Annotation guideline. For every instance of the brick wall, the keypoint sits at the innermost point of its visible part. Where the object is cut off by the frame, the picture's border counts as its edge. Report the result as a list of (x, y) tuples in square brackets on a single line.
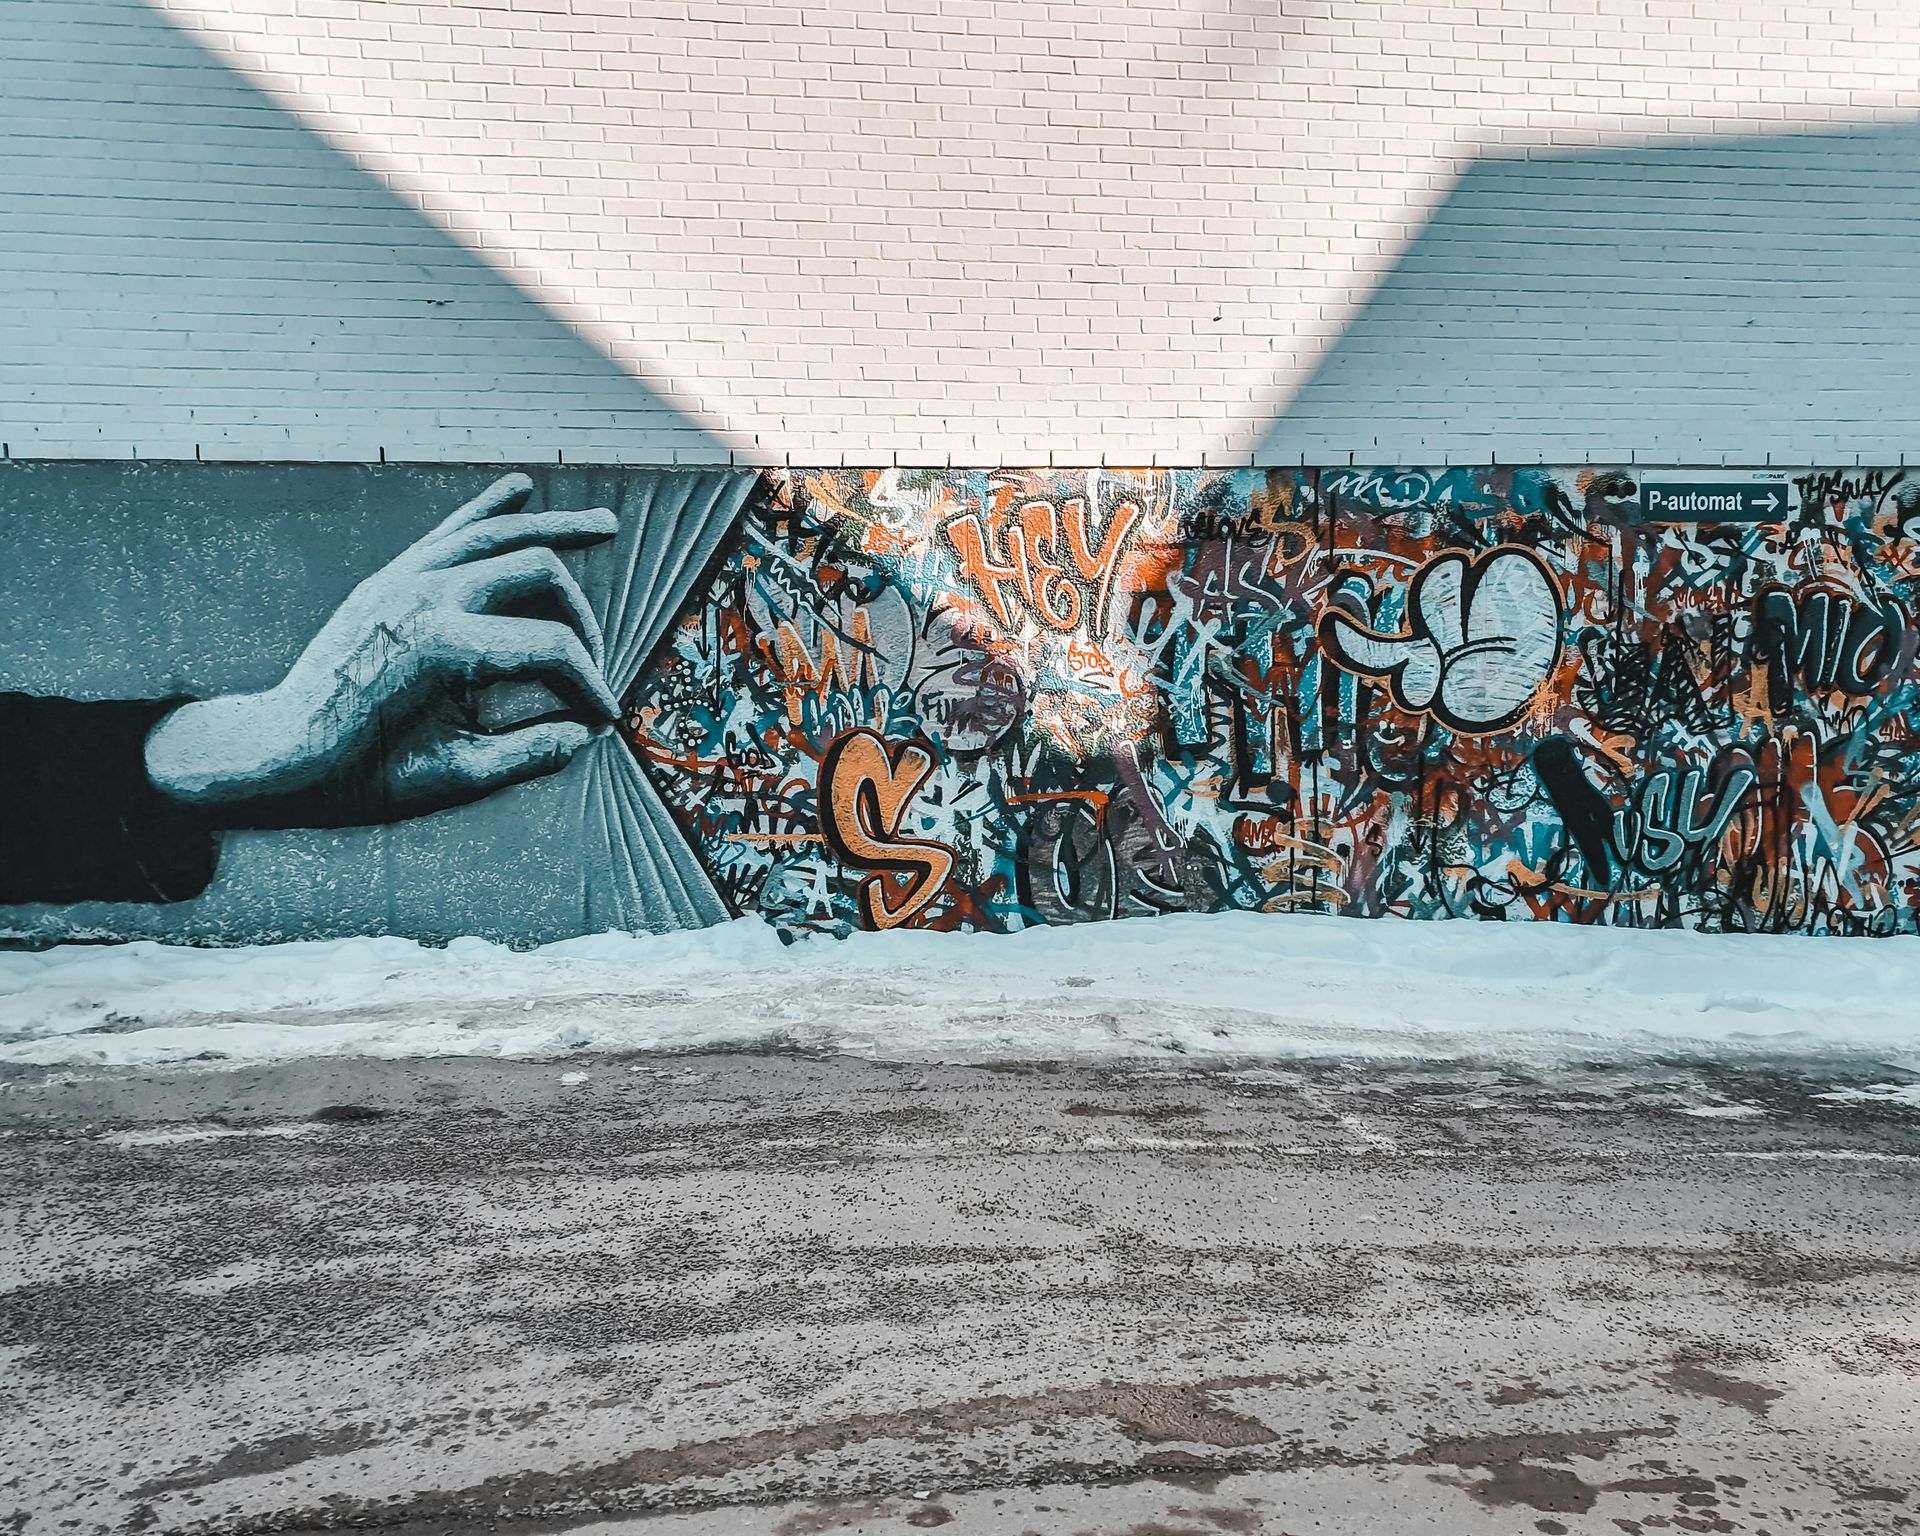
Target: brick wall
[(966, 231)]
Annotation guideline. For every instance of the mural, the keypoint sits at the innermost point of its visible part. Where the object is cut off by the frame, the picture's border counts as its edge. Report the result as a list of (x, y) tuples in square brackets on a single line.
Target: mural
[(389, 712), (246, 703), (968, 700), (989, 699)]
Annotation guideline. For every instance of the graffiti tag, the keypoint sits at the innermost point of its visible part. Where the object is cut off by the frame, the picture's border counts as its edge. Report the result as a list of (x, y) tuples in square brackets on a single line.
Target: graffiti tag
[(1028, 558), (1484, 637), (864, 790)]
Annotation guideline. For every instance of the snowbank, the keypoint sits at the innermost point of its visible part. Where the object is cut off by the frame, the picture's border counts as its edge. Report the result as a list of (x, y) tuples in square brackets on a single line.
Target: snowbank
[(1229, 984)]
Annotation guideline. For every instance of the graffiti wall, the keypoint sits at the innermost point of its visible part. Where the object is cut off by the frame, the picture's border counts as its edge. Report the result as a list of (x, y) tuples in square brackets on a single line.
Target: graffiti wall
[(989, 699), (270, 702)]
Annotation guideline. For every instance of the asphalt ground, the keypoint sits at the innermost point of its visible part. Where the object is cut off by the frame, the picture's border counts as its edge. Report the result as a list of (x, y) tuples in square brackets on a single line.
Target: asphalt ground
[(796, 1295)]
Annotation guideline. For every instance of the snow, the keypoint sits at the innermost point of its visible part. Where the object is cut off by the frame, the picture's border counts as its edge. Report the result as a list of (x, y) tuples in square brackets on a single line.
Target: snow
[(1222, 985), (168, 1136), (1876, 1093)]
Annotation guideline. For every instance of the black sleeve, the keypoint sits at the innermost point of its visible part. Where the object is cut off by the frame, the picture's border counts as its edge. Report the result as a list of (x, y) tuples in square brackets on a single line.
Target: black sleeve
[(79, 818)]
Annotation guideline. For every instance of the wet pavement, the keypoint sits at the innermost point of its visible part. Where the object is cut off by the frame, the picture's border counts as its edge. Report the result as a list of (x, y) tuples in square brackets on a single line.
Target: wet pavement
[(797, 1295)]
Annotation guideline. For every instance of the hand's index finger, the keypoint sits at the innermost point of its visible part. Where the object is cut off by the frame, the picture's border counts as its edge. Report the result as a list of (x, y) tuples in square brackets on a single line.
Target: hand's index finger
[(531, 573), (494, 649)]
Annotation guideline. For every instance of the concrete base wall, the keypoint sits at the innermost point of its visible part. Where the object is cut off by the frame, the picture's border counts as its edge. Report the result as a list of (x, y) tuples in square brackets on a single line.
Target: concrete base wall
[(972, 699)]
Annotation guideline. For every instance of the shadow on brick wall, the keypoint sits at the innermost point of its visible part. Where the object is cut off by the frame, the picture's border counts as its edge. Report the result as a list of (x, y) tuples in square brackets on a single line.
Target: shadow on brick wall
[(189, 268), (1745, 299)]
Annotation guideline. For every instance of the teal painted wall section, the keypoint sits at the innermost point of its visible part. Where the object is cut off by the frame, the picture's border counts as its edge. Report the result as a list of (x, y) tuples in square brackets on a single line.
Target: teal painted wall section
[(145, 582)]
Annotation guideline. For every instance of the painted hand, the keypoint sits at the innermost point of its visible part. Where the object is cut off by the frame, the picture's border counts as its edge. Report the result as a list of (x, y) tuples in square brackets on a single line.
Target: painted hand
[(377, 720), (1483, 635)]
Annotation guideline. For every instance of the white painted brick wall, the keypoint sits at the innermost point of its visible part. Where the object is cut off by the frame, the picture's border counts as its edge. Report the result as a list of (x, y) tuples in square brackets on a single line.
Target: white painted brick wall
[(967, 231)]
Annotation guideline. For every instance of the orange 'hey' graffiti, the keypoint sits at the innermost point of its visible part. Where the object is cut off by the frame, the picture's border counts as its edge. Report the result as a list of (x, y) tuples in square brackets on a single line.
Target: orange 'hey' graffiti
[(1030, 553), (864, 788)]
